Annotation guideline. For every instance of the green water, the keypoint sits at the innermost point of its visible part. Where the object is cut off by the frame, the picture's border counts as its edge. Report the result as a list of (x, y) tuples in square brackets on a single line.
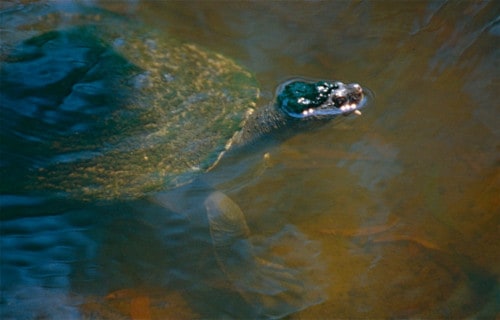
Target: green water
[(401, 203)]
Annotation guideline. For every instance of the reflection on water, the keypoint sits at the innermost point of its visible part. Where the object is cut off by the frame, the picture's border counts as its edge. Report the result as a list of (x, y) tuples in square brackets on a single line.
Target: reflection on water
[(401, 204)]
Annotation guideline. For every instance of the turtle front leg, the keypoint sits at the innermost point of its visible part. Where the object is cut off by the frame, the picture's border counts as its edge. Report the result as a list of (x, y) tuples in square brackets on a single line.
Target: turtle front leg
[(261, 275)]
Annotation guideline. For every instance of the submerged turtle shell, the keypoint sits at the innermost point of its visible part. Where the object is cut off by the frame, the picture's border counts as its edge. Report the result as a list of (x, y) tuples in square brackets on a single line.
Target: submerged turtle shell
[(101, 107)]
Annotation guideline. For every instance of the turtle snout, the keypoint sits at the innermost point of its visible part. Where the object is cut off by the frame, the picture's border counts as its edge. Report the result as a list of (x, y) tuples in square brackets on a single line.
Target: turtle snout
[(356, 87), (346, 94), (355, 93), (347, 98)]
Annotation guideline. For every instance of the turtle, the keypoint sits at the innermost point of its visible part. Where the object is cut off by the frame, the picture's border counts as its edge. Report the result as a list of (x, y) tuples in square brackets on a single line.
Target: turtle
[(113, 110)]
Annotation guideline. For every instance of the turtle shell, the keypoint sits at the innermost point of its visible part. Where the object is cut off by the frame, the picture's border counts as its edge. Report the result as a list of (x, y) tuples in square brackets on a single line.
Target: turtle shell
[(95, 105)]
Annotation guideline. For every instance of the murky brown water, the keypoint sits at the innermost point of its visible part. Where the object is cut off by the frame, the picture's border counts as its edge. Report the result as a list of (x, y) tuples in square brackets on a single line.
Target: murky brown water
[(403, 201)]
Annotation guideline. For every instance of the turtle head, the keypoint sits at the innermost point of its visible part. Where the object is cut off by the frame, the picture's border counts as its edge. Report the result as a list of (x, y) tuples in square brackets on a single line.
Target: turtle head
[(323, 99)]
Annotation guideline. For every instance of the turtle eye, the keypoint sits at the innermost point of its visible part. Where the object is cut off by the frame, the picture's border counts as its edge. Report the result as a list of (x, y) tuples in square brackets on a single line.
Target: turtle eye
[(340, 101)]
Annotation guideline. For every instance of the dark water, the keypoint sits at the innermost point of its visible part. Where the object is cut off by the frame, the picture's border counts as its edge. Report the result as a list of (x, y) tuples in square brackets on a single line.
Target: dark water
[(397, 210)]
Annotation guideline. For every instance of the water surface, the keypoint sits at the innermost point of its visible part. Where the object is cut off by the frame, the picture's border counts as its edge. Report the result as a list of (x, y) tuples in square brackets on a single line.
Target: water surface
[(402, 202)]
